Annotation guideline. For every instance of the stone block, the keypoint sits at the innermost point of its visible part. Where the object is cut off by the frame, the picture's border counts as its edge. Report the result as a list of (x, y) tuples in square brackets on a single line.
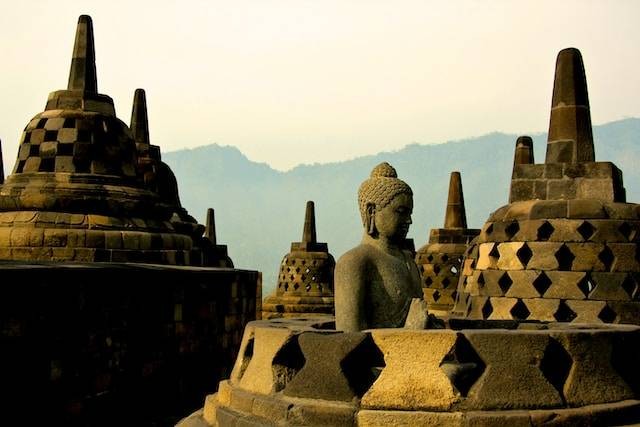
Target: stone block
[(55, 237), (113, 240), (368, 418), (564, 284), (625, 257), (525, 386), (37, 136), (5, 236), (502, 308), (543, 309), (321, 414), (211, 402), (20, 236), (601, 189), (76, 238), (241, 400), (561, 189), (488, 282), (545, 209), (592, 379), (274, 409), (627, 311), (95, 239), (485, 259), (519, 211), (553, 170), (543, 255), (586, 256), (521, 189), (608, 287), (607, 231), (540, 189), (522, 286), (67, 135), (262, 374), (622, 211), (32, 164), (64, 164), (508, 256), (497, 419), (412, 378), (586, 208), (586, 311)]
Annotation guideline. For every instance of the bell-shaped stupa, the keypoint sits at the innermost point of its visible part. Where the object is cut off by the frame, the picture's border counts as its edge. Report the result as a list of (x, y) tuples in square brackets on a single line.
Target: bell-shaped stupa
[(440, 260), (85, 188), (305, 281), (565, 248)]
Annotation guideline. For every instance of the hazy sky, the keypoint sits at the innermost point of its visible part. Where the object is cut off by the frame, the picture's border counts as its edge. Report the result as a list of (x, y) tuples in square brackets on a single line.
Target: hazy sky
[(300, 81)]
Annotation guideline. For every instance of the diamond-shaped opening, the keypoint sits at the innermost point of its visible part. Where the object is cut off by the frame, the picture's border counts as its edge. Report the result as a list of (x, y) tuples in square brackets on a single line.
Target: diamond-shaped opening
[(524, 254), (624, 359), (520, 311), (436, 269), (564, 313), (505, 282), (545, 231), (607, 315), (627, 231), (428, 281), (436, 296), (445, 282), (512, 229), (495, 253), (586, 285), (296, 286), (362, 366), (542, 283), (430, 258), (453, 269), (286, 287), (287, 363), (462, 365), (41, 123), (481, 281), (489, 229), (629, 285), (565, 258), (487, 309), (556, 364), (586, 230), (607, 257), (445, 258), (307, 288), (303, 262)]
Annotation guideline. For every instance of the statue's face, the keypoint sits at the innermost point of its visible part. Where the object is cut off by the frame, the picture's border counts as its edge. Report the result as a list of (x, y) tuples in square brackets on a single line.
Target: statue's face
[(393, 220)]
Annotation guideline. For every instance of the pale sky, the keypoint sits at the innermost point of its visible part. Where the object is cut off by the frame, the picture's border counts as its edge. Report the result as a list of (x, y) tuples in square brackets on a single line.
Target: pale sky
[(303, 81)]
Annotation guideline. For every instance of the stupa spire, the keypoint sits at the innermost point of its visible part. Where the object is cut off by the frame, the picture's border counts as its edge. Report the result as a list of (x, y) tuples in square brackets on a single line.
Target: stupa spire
[(139, 119), (309, 231), (210, 230), (570, 135), (524, 151), (455, 217), (82, 75)]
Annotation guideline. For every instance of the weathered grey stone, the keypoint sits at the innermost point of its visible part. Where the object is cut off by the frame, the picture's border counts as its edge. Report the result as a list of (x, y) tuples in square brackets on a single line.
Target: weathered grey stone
[(376, 280), (369, 418)]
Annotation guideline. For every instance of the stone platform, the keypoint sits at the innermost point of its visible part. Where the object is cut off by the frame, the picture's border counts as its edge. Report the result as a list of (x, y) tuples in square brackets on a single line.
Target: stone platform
[(117, 344), (300, 372)]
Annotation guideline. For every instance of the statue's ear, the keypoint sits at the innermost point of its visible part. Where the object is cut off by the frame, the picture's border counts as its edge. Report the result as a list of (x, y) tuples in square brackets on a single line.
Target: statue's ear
[(371, 223)]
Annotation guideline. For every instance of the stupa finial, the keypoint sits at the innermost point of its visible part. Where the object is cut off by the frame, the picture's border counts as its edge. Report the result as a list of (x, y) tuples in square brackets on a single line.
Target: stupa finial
[(455, 217), (524, 151), (139, 119), (570, 134), (210, 230), (83, 62), (309, 231)]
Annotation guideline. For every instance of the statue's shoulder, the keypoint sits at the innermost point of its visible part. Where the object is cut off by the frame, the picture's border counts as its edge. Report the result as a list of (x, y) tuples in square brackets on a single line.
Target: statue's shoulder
[(359, 256)]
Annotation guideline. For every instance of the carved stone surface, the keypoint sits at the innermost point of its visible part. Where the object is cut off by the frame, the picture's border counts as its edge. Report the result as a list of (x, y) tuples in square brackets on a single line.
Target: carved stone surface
[(523, 376), (566, 247), (305, 280), (376, 280), (440, 260), (87, 188)]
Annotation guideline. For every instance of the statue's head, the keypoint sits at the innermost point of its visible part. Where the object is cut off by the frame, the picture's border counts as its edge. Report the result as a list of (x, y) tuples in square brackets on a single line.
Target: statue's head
[(386, 204)]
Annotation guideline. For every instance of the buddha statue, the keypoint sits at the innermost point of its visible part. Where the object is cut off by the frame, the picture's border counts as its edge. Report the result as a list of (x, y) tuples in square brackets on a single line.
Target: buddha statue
[(376, 281)]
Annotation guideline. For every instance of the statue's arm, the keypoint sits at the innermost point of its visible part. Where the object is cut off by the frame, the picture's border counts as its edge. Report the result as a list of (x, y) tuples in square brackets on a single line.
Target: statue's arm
[(350, 288)]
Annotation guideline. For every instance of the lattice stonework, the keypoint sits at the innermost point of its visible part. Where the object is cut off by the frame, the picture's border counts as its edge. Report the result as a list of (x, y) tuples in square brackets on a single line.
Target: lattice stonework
[(439, 267), (556, 269), (76, 141), (306, 275)]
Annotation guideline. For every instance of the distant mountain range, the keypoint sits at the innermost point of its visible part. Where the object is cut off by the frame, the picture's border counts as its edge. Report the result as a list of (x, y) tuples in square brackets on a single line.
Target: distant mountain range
[(260, 211)]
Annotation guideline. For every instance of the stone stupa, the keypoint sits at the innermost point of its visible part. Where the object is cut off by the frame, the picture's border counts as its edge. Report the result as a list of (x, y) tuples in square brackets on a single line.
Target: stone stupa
[(112, 313), (305, 280), (440, 260), (565, 248)]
